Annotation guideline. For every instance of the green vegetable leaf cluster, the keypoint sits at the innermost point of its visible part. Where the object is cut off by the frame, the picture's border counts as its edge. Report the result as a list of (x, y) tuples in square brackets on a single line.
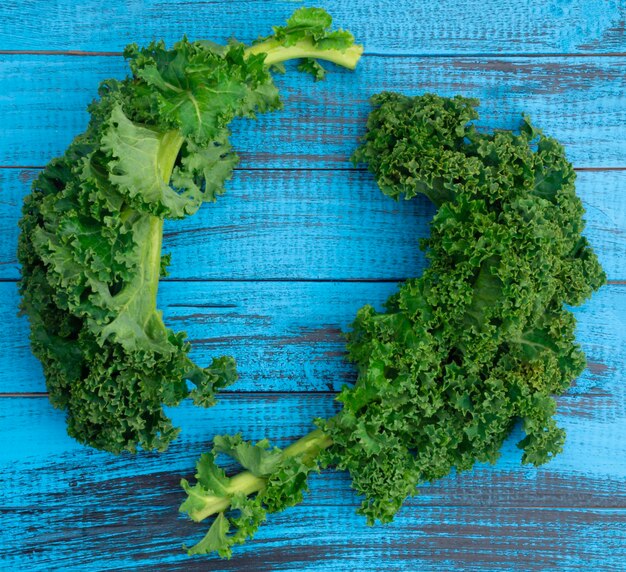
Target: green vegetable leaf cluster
[(156, 147), (278, 477), (484, 338)]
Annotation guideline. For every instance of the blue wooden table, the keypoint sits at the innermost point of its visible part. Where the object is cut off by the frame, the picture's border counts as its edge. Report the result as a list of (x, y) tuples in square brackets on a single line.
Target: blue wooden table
[(273, 272)]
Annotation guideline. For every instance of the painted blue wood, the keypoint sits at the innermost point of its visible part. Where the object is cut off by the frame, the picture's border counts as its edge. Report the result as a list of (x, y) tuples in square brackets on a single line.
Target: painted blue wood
[(331, 539), (578, 100), (67, 507), (385, 26), (74, 508), (317, 225), (38, 455), (286, 336)]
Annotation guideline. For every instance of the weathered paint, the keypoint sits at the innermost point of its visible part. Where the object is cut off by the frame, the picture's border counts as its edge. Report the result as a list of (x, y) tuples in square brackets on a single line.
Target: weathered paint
[(385, 26), (311, 225), (67, 507), (577, 100), (286, 336), (75, 508)]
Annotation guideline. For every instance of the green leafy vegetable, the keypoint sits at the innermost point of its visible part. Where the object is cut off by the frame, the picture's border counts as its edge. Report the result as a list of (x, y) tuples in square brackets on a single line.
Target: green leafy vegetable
[(90, 245), (279, 479), (482, 339)]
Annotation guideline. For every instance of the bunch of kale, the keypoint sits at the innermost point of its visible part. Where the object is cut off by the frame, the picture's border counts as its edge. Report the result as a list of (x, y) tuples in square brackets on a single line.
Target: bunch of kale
[(481, 340), (90, 245)]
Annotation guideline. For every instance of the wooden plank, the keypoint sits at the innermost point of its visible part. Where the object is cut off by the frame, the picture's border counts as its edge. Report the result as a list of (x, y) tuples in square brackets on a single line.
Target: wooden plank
[(69, 506), (311, 538), (576, 100), (286, 336), (276, 224), (37, 453), (399, 27), (317, 225)]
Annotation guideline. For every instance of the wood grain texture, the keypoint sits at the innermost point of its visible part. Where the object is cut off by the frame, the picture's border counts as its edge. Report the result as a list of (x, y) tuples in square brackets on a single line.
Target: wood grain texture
[(312, 538), (580, 101), (317, 225), (286, 336), (297, 211), (386, 26), (38, 455), (91, 508)]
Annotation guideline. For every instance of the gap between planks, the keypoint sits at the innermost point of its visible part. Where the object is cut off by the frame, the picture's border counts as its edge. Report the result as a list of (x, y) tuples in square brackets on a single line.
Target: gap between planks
[(311, 502), (325, 169), (81, 53), (392, 280), (229, 393)]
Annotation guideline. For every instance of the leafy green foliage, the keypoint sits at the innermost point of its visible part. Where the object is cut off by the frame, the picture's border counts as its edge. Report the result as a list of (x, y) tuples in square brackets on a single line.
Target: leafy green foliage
[(278, 478), (257, 459), (309, 65), (157, 146), (312, 24), (483, 338), (199, 91)]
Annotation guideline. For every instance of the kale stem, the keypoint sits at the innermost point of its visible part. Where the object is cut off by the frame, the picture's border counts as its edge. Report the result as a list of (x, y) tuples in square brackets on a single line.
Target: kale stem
[(277, 53), (140, 293), (171, 142), (245, 482)]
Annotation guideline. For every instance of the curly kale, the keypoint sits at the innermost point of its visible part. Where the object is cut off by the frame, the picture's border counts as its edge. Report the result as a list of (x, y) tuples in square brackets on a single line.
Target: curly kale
[(156, 148), (481, 340)]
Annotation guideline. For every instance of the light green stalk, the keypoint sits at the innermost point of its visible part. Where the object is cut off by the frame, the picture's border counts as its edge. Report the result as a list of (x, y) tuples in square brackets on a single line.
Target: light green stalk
[(142, 290), (172, 141), (277, 53), (248, 484)]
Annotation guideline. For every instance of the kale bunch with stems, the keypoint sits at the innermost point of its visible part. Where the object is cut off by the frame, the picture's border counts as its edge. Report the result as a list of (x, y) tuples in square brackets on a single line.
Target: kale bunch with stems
[(156, 148), (482, 340)]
